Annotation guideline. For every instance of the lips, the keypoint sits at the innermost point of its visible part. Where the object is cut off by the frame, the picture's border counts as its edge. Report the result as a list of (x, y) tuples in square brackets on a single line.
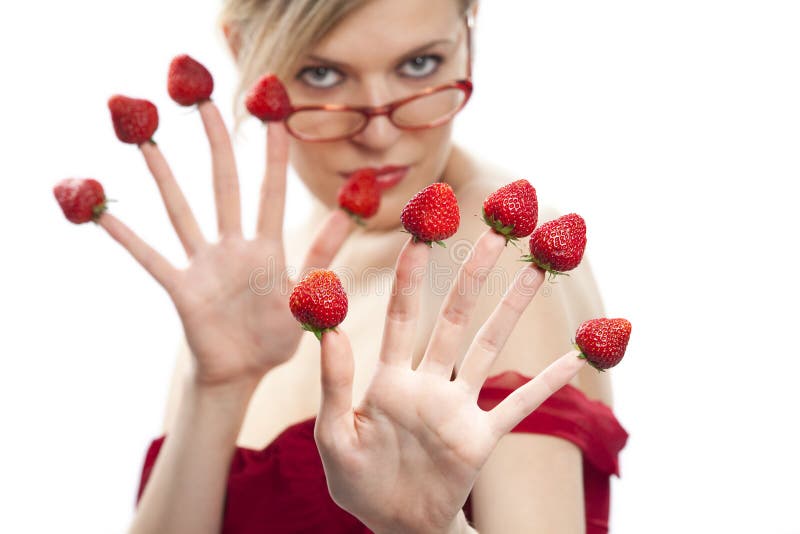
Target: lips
[(387, 176)]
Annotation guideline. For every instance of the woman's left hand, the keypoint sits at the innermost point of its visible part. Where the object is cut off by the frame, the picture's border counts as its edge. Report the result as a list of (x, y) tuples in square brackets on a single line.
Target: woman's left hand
[(406, 458)]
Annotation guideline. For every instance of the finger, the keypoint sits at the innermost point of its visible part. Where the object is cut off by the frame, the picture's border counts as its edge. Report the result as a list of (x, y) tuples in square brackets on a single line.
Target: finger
[(223, 161), (526, 398), (442, 350), (180, 214), (336, 377), (273, 188), (493, 334), (403, 309), (332, 233), (153, 262)]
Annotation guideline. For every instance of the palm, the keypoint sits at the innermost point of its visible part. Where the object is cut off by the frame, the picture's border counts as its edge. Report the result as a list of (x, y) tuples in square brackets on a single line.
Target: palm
[(406, 459), (425, 440), (236, 324), (233, 296)]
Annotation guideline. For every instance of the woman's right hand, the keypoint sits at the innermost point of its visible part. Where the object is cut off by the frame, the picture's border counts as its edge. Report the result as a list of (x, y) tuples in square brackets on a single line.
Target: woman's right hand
[(236, 334)]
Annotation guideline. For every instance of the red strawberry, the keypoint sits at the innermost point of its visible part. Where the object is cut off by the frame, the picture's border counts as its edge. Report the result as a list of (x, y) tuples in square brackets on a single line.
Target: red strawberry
[(360, 196), (188, 82), (268, 99), (512, 210), (81, 199), (319, 302), (432, 215), (558, 245), (602, 342), (135, 120)]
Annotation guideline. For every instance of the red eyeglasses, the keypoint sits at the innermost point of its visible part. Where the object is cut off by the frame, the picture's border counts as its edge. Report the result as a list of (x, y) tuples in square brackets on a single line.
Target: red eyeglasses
[(429, 108)]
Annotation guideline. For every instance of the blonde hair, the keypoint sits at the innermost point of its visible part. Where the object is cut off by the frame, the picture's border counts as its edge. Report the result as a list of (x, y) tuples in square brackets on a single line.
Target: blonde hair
[(271, 35)]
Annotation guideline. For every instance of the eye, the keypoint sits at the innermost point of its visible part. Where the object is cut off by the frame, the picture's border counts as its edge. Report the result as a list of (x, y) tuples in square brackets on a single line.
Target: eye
[(421, 66), (320, 77)]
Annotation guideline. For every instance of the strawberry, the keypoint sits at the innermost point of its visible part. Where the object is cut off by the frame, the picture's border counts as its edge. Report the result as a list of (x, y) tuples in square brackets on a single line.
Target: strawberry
[(602, 342), (81, 199), (268, 99), (319, 302), (512, 210), (360, 196), (188, 82), (432, 215), (135, 120), (558, 245)]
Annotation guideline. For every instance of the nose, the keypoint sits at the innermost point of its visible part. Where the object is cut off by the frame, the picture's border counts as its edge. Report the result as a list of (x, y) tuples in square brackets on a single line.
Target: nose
[(380, 133)]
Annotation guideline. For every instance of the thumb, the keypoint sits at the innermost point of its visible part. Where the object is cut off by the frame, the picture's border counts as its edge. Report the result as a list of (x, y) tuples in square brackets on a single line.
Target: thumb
[(336, 376)]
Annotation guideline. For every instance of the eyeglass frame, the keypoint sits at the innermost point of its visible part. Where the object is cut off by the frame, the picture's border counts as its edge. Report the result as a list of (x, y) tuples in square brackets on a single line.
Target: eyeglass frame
[(465, 85)]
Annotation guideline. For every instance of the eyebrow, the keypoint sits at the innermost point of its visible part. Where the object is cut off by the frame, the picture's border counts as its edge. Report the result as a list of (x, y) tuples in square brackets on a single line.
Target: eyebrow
[(345, 66)]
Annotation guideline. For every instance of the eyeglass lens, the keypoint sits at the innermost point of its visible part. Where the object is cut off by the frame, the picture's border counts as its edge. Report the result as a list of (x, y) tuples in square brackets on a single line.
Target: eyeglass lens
[(422, 111)]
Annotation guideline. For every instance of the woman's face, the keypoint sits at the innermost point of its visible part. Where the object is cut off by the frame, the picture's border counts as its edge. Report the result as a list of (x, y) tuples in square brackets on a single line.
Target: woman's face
[(381, 52)]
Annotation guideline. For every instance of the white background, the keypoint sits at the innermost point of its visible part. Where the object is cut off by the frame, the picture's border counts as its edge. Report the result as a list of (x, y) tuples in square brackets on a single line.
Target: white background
[(673, 127)]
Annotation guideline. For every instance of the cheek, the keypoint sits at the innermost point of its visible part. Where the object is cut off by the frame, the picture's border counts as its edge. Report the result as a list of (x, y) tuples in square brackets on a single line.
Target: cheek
[(434, 159), (311, 162)]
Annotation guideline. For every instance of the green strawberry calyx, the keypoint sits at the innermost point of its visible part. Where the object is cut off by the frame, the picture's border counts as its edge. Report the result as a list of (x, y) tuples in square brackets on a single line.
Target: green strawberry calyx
[(316, 331), (504, 230), (98, 210), (544, 266), (356, 218), (417, 239)]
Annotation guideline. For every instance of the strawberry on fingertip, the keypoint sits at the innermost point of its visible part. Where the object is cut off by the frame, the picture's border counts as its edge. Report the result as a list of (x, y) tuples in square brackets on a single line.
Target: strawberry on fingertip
[(81, 199), (188, 81), (558, 245), (268, 99), (360, 195), (512, 211), (432, 215), (319, 302), (602, 342), (135, 119)]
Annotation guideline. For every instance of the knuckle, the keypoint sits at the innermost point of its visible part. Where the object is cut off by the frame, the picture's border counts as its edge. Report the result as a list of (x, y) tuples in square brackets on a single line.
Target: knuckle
[(456, 315), (488, 343), (398, 313), (473, 270), (513, 305)]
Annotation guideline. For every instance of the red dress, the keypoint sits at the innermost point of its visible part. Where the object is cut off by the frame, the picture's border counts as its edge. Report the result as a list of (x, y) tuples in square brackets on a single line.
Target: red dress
[(281, 489)]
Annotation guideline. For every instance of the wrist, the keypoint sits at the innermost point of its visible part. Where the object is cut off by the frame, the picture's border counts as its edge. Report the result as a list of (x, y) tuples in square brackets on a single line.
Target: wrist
[(238, 386), (231, 393), (216, 410)]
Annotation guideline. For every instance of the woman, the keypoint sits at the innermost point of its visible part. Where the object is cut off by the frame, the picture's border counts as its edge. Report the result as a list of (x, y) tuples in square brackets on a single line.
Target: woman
[(242, 444)]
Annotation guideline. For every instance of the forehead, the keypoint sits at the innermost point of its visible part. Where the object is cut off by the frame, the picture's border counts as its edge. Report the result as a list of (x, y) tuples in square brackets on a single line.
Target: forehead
[(385, 29)]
